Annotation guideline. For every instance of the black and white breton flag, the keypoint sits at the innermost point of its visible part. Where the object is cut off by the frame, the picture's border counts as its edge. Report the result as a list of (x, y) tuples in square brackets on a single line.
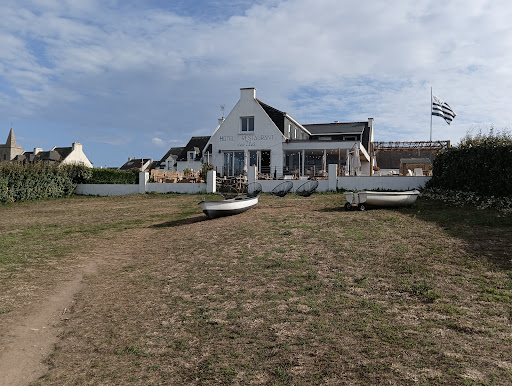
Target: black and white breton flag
[(442, 109)]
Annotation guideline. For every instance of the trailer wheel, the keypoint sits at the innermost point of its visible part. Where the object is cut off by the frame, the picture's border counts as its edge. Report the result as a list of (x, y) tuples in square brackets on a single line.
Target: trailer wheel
[(361, 207), (348, 206)]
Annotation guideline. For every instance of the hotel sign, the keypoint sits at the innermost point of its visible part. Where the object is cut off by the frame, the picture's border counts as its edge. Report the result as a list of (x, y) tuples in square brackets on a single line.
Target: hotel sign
[(247, 140)]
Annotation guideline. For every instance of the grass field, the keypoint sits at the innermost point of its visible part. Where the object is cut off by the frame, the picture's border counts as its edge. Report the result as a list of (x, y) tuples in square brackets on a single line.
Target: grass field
[(295, 291)]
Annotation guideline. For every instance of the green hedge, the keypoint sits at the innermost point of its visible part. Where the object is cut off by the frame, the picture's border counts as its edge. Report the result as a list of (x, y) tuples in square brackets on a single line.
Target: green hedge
[(113, 176), (38, 181), (481, 165)]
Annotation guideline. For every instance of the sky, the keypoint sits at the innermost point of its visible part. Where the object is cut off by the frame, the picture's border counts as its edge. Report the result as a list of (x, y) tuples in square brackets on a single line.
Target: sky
[(132, 78)]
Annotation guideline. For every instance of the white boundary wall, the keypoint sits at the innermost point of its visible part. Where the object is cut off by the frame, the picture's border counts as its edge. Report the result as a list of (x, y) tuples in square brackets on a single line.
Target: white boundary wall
[(268, 185), (176, 188), (350, 183), (106, 189), (382, 183), (142, 187), (125, 189), (333, 183)]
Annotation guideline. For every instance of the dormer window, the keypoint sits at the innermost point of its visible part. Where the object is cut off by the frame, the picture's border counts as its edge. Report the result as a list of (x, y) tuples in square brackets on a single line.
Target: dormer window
[(191, 155), (247, 124)]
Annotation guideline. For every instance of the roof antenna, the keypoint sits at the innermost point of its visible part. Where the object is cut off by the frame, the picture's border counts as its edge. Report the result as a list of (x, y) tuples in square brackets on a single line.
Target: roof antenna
[(222, 107)]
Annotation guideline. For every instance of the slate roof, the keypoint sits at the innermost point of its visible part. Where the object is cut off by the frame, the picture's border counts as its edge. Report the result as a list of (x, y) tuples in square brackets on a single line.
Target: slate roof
[(172, 151), (27, 156), (63, 151), (336, 128), (48, 156), (135, 163), (195, 142), (276, 115)]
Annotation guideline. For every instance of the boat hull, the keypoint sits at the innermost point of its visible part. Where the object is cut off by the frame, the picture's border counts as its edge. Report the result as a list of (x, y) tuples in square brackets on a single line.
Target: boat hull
[(382, 199), (214, 209)]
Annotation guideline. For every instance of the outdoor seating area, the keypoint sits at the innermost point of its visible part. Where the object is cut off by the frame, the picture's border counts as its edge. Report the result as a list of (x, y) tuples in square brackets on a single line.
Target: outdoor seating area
[(175, 177)]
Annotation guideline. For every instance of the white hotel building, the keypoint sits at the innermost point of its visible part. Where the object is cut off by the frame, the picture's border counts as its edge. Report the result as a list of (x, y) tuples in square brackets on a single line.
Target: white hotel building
[(255, 133)]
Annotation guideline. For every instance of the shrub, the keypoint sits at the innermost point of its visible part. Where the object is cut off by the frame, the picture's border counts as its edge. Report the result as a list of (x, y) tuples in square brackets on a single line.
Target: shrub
[(113, 176), (478, 165), (204, 170), (19, 182)]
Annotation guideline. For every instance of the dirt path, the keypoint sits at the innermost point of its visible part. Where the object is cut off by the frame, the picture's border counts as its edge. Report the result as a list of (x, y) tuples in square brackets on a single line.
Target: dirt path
[(39, 298), (32, 336), (33, 331)]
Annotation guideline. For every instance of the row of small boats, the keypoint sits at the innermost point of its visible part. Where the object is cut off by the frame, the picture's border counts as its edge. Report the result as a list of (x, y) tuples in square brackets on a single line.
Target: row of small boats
[(355, 200)]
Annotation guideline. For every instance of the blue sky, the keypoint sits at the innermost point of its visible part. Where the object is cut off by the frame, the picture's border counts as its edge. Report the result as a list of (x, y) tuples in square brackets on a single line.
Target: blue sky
[(133, 78)]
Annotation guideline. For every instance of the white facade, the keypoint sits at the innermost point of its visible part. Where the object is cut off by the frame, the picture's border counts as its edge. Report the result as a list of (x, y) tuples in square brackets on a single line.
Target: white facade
[(249, 136), (77, 156), (235, 146), (169, 164)]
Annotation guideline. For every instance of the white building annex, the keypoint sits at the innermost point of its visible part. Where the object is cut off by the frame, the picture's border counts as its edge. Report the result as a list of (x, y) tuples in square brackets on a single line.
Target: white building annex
[(256, 134)]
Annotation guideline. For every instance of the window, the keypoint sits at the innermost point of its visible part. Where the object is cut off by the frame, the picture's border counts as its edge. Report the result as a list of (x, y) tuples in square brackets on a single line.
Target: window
[(234, 163), (191, 155), (247, 124)]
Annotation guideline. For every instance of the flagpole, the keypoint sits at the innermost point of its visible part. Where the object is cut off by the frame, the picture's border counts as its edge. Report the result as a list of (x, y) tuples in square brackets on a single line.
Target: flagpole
[(430, 114)]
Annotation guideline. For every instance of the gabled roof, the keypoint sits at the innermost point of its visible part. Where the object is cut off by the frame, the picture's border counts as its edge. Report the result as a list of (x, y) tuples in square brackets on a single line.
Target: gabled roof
[(175, 151), (63, 151), (195, 142), (51, 155), (336, 128), (135, 163)]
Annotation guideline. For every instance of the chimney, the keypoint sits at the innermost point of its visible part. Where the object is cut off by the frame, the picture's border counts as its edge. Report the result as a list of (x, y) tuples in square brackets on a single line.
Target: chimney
[(249, 93), (220, 121), (76, 146), (130, 158), (37, 150)]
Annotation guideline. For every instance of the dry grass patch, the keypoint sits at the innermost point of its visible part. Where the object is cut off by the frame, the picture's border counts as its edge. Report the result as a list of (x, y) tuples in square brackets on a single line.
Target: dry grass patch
[(294, 291)]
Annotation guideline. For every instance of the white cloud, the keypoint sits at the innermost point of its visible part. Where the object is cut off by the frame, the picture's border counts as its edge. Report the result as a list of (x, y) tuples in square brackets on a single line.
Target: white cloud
[(112, 64), (158, 142)]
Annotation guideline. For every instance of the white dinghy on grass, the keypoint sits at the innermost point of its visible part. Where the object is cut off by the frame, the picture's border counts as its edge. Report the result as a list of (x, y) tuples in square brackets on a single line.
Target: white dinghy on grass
[(214, 209), (364, 199), (233, 205)]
